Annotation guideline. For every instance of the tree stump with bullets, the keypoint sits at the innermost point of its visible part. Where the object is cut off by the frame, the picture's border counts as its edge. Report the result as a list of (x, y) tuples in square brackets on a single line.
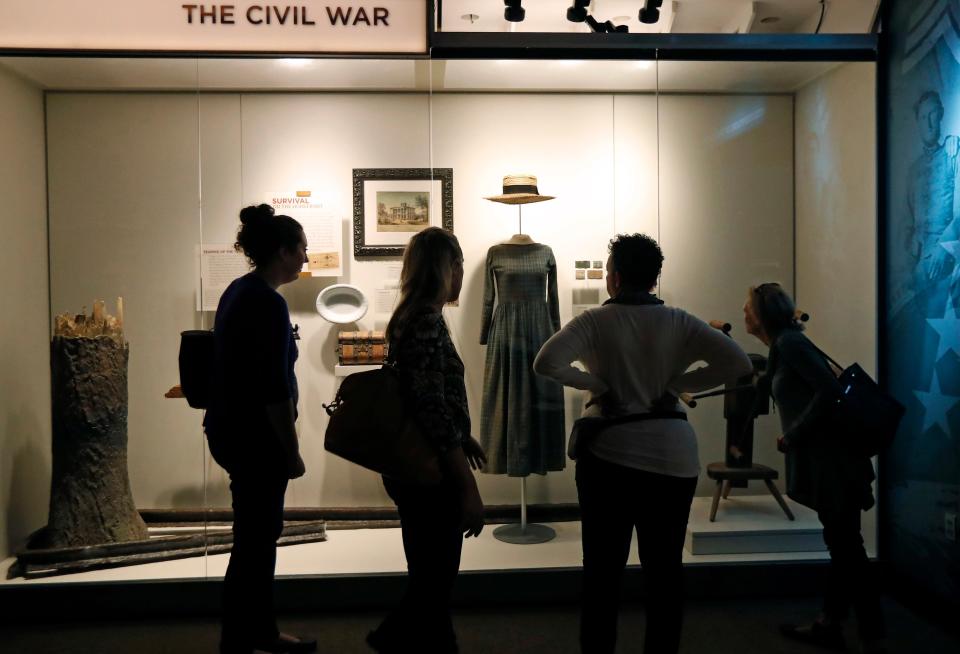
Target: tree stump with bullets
[(90, 498)]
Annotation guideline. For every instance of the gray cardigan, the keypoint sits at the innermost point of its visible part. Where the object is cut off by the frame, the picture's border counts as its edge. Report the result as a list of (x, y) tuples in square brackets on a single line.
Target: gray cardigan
[(823, 470)]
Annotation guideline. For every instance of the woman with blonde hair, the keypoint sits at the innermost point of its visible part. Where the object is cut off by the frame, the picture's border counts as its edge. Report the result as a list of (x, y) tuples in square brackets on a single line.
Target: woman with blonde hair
[(433, 519), (824, 471)]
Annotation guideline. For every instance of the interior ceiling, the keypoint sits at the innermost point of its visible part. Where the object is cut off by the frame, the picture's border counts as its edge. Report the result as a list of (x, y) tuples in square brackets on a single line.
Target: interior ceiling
[(110, 74), (676, 16)]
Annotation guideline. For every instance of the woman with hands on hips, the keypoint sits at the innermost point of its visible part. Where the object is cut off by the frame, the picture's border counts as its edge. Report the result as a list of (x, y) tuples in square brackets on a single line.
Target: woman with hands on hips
[(433, 519), (637, 353)]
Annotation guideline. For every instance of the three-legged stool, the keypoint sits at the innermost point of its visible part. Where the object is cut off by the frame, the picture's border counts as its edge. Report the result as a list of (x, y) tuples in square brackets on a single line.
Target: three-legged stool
[(724, 475)]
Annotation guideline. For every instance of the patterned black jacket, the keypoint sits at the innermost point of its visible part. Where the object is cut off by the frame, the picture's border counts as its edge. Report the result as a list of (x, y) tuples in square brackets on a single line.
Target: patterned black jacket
[(431, 373)]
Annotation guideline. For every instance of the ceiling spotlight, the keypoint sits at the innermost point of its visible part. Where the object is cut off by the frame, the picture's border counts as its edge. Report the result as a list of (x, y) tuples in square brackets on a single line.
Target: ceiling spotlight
[(577, 13), (513, 11), (650, 13)]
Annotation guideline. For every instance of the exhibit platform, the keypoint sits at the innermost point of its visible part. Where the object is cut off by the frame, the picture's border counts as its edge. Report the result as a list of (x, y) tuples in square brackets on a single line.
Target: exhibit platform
[(357, 568), (749, 529), (749, 525)]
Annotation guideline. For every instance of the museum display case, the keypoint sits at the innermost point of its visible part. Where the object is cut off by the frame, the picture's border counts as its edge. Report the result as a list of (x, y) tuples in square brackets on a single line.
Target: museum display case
[(135, 170)]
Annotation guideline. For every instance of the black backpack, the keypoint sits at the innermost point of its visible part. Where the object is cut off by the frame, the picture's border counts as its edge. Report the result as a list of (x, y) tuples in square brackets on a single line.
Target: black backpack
[(196, 366)]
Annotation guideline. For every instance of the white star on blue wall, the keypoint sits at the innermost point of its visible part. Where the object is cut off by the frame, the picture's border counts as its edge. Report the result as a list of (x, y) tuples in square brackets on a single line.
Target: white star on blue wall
[(949, 329), (936, 406)]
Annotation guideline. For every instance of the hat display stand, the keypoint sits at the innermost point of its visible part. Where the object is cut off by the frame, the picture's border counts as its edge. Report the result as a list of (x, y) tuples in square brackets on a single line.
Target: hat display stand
[(520, 238)]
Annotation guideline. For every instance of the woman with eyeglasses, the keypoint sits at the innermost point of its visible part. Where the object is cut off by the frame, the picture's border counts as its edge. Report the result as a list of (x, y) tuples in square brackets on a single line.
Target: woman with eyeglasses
[(824, 471)]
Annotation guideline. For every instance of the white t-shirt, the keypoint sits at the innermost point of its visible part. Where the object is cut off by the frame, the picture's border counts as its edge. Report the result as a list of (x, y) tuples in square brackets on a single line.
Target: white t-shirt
[(640, 352)]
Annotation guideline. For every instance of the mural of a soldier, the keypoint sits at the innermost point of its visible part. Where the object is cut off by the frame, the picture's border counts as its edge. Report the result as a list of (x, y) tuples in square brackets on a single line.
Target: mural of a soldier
[(928, 223), (931, 205)]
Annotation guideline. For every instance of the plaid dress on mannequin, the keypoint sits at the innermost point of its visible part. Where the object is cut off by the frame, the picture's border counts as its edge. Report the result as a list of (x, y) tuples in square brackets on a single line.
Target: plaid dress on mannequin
[(521, 421)]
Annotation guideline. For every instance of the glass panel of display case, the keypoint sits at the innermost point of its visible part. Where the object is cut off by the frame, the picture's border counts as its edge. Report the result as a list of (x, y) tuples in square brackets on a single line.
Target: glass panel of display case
[(123, 224), (744, 172), (760, 182), (342, 147), (503, 126)]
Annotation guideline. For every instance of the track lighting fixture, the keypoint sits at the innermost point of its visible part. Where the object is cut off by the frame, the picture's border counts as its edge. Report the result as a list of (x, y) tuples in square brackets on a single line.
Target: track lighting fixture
[(650, 13), (606, 27), (513, 11), (577, 13)]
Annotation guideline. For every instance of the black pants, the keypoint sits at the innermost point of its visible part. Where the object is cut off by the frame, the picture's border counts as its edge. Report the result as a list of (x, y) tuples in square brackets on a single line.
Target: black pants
[(432, 541), (615, 501), (850, 583), (248, 613)]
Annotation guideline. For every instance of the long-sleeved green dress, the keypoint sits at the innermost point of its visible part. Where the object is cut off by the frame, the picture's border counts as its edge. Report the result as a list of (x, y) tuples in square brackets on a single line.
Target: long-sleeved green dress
[(522, 416)]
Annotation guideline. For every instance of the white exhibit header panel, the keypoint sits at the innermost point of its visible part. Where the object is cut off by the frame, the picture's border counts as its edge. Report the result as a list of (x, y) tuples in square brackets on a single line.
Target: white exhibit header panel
[(302, 26)]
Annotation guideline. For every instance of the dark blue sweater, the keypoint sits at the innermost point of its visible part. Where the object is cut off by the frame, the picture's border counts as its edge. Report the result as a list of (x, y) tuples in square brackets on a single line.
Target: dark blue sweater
[(254, 355)]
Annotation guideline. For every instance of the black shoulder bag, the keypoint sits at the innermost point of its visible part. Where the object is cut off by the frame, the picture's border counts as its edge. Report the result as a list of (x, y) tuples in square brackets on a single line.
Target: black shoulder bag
[(863, 410)]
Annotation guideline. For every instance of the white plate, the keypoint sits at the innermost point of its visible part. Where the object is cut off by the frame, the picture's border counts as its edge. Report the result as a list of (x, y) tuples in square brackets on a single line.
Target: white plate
[(342, 303)]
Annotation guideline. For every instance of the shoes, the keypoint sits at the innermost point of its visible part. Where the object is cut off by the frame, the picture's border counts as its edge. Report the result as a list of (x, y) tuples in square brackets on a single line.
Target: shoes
[(819, 634), (302, 645)]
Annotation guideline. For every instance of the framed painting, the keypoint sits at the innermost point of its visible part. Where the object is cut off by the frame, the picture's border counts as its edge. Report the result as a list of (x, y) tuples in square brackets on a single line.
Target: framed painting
[(392, 204)]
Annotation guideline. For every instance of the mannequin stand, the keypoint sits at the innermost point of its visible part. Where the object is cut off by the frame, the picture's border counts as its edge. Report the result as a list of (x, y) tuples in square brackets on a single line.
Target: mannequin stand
[(523, 533)]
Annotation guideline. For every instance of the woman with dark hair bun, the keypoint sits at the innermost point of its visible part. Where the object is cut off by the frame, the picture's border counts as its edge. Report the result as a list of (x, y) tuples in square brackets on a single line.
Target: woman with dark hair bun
[(250, 424), (824, 472)]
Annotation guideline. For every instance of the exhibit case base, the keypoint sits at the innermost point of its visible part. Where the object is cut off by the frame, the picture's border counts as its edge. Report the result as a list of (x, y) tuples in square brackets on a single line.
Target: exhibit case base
[(365, 569), (379, 552), (752, 524)]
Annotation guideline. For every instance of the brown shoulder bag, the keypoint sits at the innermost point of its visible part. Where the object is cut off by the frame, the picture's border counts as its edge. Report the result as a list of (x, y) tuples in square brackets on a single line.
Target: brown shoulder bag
[(371, 426)]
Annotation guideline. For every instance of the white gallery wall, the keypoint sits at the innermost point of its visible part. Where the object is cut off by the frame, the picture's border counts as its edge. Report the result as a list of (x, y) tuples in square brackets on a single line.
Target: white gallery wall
[(132, 174), (837, 218), (24, 344)]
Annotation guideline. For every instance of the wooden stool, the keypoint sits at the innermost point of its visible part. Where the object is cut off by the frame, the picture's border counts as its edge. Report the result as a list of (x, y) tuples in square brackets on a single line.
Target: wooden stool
[(724, 475)]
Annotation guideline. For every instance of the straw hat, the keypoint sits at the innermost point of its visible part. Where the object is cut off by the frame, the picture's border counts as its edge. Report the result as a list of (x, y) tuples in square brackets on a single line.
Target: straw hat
[(520, 189)]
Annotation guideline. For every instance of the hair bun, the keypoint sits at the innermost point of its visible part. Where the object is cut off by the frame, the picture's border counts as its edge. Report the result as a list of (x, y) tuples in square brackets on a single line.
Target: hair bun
[(255, 213)]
